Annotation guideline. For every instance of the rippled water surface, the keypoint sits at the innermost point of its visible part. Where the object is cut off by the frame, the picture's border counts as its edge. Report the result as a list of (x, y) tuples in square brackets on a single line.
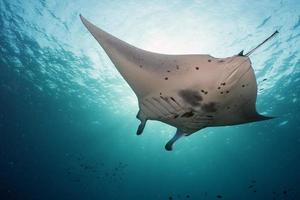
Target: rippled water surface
[(67, 117)]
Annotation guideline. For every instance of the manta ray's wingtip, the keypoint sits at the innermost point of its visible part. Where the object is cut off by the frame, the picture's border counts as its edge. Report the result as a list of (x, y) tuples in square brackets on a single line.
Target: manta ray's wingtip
[(82, 18), (263, 117)]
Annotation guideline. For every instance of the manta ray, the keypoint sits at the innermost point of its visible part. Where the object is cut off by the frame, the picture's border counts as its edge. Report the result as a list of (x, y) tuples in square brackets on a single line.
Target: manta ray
[(189, 92)]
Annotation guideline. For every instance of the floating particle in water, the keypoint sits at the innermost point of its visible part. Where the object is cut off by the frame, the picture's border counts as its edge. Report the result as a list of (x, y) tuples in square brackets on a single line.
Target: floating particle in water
[(284, 192), (219, 196), (187, 196), (283, 123)]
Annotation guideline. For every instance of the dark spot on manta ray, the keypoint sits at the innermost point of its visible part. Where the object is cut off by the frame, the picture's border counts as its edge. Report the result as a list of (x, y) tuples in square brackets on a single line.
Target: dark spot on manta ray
[(227, 91), (220, 61), (188, 114), (168, 71), (173, 99), (191, 96), (209, 116), (265, 79), (219, 88), (223, 83), (209, 60), (141, 66), (160, 93), (175, 116), (166, 78), (197, 68), (243, 85), (209, 107), (219, 196), (203, 91), (177, 66), (228, 107), (221, 92)]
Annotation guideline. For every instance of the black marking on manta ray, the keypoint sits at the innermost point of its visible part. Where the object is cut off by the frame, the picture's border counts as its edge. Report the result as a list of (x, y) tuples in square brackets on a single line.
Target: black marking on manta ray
[(166, 78), (177, 67), (188, 114), (209, 60), (141, 66), (192, 97), (209, 107), (175, 116), (205, 92), (166, 99), (178, 104), (197, 68)]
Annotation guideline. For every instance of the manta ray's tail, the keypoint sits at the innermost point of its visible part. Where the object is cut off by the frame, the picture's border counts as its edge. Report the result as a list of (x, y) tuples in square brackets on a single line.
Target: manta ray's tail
[(251, 51)]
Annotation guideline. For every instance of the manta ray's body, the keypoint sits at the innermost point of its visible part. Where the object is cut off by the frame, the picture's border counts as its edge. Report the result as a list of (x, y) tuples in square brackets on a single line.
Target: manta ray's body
[(189, 92)]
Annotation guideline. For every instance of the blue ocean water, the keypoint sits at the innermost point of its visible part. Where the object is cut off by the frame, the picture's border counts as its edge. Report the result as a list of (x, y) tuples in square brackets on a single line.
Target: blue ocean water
[(67, 117)]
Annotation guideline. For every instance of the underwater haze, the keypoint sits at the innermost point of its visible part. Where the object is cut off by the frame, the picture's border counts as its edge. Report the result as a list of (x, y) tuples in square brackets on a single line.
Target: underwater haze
[(68, 119)]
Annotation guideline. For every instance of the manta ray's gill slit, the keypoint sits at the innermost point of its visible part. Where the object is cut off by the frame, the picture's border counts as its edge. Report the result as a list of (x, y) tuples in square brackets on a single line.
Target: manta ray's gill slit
[(235, 68), (157, 108), (165, 106), (152, 108)]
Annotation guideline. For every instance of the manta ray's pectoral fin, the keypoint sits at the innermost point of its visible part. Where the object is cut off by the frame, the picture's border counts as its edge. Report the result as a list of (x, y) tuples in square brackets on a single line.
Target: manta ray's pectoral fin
[(177, 135), (143, 120)]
